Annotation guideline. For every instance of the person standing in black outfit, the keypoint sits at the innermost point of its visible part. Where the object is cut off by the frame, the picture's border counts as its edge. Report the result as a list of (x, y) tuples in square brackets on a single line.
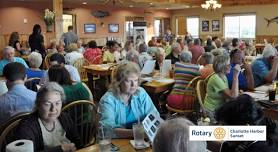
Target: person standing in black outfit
[(36, 40)]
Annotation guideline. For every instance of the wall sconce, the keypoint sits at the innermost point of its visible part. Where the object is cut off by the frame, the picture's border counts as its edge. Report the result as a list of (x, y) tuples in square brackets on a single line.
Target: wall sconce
[(102, 24)]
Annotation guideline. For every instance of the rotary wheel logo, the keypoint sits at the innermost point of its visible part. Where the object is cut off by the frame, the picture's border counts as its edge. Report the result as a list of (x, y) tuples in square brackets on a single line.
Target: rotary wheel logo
[(219, 133)]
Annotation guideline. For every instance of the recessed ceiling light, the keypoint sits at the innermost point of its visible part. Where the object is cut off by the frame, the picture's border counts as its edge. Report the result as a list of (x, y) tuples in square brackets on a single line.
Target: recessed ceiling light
[(167, 8), (84, 3), (130, 5)]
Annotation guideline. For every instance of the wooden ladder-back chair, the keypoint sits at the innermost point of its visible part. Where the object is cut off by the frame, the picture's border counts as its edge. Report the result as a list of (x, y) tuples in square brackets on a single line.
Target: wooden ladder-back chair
[(32, 83), (201, 90), (90, 92), (78, 64), (84, 116), (192, 84), (112, 69), (207, 78), (7, 130), (96, 60)]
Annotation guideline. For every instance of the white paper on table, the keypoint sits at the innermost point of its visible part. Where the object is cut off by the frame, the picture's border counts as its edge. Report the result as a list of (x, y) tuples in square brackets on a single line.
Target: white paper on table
[(165, 80), (149, 79), (148, 67), (263, 88), (257, 96), (151, 124), (166, 67)]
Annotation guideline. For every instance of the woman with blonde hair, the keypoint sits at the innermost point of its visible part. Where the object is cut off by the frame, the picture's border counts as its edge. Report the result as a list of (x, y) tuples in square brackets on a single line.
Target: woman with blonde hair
[(125, 102), (72, 54)]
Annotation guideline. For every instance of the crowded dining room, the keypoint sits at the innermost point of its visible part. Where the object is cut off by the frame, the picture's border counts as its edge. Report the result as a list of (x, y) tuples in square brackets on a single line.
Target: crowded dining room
[(138, 75)]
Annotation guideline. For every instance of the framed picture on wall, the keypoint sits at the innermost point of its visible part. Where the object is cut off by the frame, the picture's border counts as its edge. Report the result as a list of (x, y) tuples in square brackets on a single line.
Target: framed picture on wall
[(205, 26), (113, 28), (215, 26), (90, 28)]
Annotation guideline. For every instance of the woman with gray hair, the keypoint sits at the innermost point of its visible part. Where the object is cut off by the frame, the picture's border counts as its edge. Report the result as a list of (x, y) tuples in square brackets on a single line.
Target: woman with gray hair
[(49, 128), (35, 61), (173, 136), (182, 95), (159, 58), (132, 56), (217, 87), (125, 102), (143, 55)]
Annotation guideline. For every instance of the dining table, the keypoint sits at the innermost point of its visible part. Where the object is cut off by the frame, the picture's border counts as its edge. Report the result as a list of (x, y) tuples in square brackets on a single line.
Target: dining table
[(156, 86), (100, 73), (259, 48), (99, 69), (123, 145), (260, 94)]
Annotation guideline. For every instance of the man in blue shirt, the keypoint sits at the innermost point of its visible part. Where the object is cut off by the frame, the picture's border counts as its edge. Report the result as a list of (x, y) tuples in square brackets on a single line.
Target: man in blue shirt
[(69, 37), (245, 79), (18, 98), (265, 68), (8, 57)]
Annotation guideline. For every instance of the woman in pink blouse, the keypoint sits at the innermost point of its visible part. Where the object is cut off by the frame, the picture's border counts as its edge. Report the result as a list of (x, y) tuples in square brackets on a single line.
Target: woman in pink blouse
[(92, 52)]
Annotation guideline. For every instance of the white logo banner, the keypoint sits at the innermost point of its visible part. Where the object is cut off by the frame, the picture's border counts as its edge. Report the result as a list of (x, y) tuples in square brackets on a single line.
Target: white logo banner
[(227, 133)]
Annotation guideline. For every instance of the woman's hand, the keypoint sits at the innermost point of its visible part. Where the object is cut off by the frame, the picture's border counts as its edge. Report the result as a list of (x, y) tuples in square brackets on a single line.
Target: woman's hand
[(68, 147), (237, 69)]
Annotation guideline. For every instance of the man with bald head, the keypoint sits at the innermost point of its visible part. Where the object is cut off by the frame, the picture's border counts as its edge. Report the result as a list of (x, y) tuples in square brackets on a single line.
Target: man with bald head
[(8, 57)]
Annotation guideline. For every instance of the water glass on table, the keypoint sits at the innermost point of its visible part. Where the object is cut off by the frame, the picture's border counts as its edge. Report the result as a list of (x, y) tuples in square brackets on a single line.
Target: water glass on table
[(104, 139), (138, 134)]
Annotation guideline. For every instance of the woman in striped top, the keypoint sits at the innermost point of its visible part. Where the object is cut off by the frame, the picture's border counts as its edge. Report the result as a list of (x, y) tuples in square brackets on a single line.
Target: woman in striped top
[(182, 97)]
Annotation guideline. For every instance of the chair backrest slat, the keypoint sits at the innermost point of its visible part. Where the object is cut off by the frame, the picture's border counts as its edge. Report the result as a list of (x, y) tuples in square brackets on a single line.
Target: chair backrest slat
[(84, 115), (201, 94)]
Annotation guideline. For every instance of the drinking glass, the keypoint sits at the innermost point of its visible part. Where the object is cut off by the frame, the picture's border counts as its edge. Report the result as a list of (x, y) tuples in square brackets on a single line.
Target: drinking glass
[(138, 134), (104, 139)]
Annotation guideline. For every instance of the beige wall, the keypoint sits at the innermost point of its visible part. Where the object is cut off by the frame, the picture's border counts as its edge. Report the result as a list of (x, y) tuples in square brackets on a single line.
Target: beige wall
[(117, 15), (262, 11), (12, 15)]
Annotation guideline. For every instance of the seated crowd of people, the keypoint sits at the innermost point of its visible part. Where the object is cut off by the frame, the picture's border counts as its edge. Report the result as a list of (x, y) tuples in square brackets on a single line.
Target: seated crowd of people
[(126, 102)]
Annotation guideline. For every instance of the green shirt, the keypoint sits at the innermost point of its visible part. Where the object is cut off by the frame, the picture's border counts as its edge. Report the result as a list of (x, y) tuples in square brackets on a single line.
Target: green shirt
[(214, 98), (76, 92), (108, 57)]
